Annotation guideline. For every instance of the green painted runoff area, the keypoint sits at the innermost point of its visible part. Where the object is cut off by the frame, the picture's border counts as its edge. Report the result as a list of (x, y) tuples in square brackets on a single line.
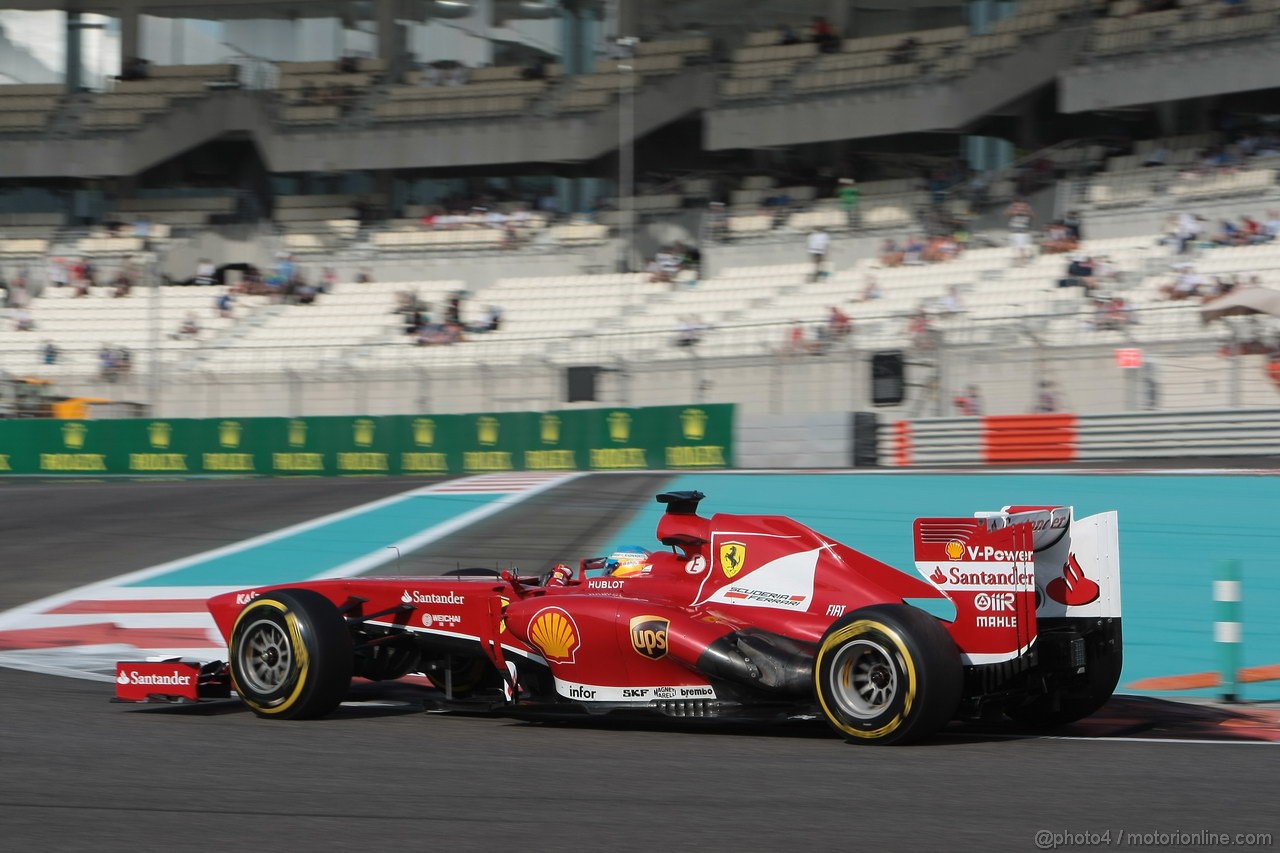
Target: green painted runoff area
[(1176, 530)]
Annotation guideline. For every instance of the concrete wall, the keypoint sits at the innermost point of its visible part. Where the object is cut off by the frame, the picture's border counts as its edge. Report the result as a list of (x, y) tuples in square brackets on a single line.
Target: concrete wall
[(1154, 77), (793, 441)]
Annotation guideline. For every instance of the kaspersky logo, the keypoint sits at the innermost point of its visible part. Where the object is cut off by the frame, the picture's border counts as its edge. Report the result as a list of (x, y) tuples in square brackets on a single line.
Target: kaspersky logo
[(229, 434), (424, 432), (159, 434), (693, 424), (619, 427), (362, 432), (555, 634), (1073, 588), (73, 435)]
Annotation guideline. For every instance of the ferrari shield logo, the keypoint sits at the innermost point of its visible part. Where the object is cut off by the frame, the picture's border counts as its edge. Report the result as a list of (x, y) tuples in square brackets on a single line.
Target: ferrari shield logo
[(732, 556)]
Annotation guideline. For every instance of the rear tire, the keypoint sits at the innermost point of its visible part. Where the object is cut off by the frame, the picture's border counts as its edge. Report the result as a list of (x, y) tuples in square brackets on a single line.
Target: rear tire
[(887, 674), (291, 655)]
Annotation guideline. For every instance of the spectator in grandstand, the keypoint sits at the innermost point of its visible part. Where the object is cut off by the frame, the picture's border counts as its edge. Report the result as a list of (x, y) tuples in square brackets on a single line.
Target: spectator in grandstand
[(788, 35), (913, 251), (453, 310), (1058, 239), (663, 266), (224, 304), (135, 68), (848, 194), (1157, 156), (490, 320), (22, 320), (49, 353), (819, 242), (328, 280), (1186, 284), (347, 64), (921, 330), (871, 288), (951, 303), (797, 340), (824, 35), (969, 403), (122, 284), (839, 324), (18, 294), (1231, 8), (890, 254), (536, 70), (1113, 313), (905, 51), (58, 273), (1020, 218), (1047, 397), (365, 276), (689, 331), (189, 329), (1073, 225), (1229, 234), (1080, 272)]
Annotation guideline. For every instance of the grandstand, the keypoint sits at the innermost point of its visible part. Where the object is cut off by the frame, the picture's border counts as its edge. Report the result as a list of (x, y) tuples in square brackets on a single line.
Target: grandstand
[(498, 175)]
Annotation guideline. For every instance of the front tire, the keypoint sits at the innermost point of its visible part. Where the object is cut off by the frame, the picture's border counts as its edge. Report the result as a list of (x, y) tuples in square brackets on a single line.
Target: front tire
[(291, 655), (887, 674)]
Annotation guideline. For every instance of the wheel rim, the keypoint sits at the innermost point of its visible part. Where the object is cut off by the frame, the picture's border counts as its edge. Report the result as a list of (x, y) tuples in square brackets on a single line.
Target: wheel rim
[(864, 679), (265, 657)]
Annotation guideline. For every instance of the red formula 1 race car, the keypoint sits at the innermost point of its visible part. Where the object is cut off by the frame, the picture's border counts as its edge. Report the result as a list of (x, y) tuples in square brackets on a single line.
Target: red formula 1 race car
[(744, 616)]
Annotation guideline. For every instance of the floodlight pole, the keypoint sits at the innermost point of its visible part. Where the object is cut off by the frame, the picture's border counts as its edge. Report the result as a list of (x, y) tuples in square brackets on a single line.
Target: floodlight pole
[(626, 162)]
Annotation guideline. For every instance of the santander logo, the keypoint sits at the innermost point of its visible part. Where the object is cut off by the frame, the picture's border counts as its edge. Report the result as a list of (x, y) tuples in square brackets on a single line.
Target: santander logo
[(938, 577), (1073, 588), (122, 678)]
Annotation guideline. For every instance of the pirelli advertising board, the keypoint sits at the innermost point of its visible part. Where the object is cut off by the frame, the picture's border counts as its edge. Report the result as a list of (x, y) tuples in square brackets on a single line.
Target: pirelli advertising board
[(606, 439)]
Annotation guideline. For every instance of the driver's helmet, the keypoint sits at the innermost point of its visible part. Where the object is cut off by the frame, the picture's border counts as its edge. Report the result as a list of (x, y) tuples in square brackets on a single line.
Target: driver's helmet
[(628, 560)]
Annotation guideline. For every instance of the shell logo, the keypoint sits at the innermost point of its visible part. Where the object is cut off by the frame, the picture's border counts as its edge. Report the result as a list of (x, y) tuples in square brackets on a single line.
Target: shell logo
[(554, 633), (955, 549)]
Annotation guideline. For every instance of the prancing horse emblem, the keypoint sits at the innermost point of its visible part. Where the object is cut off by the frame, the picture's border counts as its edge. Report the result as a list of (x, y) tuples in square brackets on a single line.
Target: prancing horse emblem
[(732, 556)]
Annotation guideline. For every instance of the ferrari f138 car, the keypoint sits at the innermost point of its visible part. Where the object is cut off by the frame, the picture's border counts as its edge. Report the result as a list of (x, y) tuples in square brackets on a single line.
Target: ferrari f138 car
[(743, 616)]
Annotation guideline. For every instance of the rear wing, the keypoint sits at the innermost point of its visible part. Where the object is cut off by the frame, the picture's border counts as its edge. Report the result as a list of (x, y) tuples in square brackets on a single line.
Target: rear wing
[(1006, 570)]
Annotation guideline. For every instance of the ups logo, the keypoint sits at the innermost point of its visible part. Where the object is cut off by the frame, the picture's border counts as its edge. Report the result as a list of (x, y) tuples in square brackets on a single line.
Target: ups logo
[(649, 636)]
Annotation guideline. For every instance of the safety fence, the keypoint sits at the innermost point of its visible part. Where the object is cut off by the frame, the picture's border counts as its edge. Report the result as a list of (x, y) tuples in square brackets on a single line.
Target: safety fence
[(1057, 438), (690, 437)]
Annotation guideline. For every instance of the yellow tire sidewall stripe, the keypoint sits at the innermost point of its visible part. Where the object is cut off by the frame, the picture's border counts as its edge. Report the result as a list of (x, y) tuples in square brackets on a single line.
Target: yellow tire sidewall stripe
[(300, 656), (848, 632)]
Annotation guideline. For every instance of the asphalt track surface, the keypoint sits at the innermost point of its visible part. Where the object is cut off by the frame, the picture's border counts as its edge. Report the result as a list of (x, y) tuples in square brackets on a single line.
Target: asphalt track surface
[(77, 773)]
